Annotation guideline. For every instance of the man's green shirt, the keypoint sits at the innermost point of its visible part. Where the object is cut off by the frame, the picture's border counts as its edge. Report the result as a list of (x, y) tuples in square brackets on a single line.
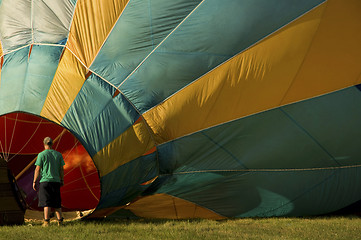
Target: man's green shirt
[(51, 162)]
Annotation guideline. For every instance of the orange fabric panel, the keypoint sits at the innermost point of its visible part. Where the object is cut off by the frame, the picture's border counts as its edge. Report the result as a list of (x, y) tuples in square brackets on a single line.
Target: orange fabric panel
[(149, 182), (334, 59), (92, 22), (166, 206), (134, 142), (253, 81), (68, 80)]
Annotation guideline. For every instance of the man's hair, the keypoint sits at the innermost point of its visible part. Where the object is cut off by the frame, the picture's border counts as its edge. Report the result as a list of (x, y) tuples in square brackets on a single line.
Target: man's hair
[(48, 141)]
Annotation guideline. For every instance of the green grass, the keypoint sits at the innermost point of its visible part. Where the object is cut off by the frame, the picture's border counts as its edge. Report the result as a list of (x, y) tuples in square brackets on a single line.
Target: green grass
[(346, 227)]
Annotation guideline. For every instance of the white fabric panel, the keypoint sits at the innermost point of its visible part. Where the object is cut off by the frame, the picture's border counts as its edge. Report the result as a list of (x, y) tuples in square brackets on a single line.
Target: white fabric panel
[(48, 22), (51, 20), (15, 24)]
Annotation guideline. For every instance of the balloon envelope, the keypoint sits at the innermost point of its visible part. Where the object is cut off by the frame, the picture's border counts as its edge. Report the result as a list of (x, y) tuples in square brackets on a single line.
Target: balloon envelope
[(184, 108)]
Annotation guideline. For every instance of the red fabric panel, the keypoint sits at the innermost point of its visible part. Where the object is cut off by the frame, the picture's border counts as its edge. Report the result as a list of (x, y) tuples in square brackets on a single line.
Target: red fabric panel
[(21, 139)]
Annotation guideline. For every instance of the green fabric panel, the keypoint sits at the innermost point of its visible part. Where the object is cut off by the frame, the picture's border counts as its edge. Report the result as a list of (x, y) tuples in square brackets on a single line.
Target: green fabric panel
[(277, 163), (334, 122), (124, 184), (265, 140), (95, 117), (267, 194), (13, 80)]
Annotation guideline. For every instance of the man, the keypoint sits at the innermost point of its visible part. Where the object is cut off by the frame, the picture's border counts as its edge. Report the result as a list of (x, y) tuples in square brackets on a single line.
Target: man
[(49, 166)]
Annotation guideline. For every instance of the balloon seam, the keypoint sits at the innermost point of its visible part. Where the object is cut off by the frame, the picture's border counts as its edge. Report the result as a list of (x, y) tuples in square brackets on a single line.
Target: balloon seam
[(263, 170)]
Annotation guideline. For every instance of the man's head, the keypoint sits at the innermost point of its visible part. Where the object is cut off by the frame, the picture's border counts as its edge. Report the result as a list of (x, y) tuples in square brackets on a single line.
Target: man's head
[(48, 142)]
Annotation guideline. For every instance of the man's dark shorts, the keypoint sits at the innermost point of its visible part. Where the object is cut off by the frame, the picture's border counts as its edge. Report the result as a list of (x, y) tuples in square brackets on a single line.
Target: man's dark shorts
[(49, 195)]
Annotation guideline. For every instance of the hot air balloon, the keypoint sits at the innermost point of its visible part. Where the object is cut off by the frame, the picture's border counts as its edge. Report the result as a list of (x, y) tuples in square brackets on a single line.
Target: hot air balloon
[(186, 108)]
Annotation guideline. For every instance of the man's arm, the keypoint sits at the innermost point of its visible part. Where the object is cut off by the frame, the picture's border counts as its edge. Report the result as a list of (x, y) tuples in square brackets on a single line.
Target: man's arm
[(36, 175)]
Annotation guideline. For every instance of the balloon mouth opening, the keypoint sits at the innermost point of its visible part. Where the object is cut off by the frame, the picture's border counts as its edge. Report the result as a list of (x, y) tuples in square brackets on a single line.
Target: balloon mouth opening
[(21, 139)]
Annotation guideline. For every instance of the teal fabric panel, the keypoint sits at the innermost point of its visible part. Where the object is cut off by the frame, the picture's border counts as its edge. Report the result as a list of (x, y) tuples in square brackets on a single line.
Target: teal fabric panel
[(124, 183), (301, 159), (25, 81), (268, 194), (142, 26), (333, 121), (43, 63), (13, 80), (95, 117), (212, 34), (265, 140)]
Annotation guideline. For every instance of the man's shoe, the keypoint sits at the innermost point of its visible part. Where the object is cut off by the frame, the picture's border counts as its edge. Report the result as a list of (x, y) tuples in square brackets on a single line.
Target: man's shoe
[(60, 221), (46, 223)]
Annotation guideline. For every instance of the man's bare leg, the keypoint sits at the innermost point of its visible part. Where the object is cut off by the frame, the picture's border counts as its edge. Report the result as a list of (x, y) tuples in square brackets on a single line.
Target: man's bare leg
[(46, 212), (59, 216), (46, 216)]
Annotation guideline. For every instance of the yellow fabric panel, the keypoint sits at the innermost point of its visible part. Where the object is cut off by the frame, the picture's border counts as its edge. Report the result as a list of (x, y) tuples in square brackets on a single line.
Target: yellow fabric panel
[(358, 81), (92, 22), (166, 206), (252, 81), (68, 80), (133, 143), (334, 59)]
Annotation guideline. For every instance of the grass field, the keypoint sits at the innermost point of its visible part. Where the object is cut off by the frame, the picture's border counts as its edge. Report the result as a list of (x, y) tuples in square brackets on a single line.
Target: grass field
[(345, 227)]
